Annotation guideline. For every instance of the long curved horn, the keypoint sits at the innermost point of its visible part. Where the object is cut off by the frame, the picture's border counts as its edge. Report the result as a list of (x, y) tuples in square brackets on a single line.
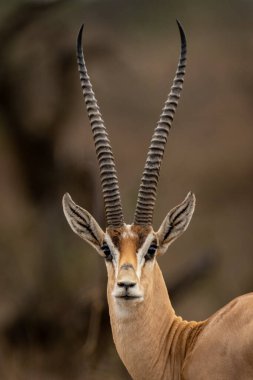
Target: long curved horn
[(147, 192), (110, 187)]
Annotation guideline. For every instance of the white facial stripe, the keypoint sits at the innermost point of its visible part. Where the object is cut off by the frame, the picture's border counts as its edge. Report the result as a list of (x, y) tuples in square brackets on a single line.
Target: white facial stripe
[(141, 253), (114, 252)]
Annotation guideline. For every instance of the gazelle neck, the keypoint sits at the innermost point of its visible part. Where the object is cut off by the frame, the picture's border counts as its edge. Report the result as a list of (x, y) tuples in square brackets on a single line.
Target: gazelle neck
[(150, 339)]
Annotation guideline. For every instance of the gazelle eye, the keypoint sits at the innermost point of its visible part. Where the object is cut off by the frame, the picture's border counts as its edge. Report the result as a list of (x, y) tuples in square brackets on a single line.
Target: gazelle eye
[(151, 252), (107, 252)]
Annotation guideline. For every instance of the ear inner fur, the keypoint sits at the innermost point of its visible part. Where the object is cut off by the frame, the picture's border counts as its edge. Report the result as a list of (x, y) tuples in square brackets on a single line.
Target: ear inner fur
[(82, 222)]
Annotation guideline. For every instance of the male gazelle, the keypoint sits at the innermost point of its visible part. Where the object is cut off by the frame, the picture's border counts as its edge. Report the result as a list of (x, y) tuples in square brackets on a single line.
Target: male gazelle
[(151, 340)]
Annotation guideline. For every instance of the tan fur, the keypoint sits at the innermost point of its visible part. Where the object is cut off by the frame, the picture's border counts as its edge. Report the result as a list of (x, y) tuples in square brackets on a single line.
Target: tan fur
[(128, 250), (154, 343)]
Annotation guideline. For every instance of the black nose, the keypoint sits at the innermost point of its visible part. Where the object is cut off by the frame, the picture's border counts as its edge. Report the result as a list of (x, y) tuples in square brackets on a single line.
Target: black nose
[(126, 284)]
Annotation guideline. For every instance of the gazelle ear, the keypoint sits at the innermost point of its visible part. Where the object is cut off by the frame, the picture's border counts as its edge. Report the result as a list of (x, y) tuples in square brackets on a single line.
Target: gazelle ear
[(82, 223), (176, 222)]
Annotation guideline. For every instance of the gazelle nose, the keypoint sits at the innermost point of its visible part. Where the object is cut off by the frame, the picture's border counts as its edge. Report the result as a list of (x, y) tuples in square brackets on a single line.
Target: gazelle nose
[(126, 284)]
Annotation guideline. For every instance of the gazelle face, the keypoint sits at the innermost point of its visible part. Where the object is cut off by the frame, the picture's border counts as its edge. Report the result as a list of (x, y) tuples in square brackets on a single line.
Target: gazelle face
[(129, 251)]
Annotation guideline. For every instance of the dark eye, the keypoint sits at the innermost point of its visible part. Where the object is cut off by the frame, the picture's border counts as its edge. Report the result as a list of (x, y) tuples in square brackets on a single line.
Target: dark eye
[(107, 252), (151, 252)]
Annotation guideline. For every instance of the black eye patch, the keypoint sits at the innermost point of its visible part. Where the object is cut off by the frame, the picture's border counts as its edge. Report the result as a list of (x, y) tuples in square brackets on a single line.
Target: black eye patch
[(151, 251), (107, 252)]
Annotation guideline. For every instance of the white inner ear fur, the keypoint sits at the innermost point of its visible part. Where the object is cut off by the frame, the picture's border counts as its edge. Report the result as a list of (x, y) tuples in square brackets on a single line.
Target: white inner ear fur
[(176, 222), (83, 223)]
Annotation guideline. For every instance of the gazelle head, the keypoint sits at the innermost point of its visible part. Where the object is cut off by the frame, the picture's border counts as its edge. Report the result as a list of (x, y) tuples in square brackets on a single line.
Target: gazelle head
[(130, 251)]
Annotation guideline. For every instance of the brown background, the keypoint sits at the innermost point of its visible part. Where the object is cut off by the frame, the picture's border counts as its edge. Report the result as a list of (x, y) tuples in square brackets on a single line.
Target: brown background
[(53, 316)]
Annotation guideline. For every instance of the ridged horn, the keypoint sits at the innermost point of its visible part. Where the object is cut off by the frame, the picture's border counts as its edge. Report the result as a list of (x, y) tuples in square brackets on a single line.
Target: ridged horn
[(109, 181), (148, 188)]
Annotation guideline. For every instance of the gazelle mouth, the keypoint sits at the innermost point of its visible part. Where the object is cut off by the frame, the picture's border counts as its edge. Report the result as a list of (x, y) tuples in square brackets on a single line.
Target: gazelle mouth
[(127, 297)]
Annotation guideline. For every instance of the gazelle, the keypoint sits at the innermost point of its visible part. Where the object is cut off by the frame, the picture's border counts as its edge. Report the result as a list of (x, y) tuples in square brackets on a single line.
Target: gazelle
[(151, 340)]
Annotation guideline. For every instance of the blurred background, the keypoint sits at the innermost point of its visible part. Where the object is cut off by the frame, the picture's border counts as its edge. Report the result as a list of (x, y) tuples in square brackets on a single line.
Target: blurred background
[(54, 321)]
